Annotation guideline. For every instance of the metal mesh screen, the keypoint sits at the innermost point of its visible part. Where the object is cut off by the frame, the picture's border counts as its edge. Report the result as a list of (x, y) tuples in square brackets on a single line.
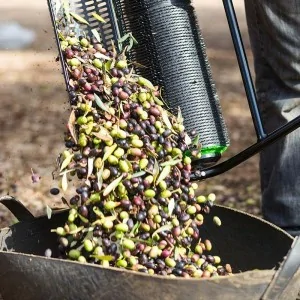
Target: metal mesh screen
[(171, 43)]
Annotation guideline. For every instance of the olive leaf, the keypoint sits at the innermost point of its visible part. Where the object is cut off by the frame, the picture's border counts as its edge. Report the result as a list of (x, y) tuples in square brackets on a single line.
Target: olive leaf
[(155, 170), (57, 7), (49, 212), (166, 227), (179, 116), (145, 82), (187, 140), (99, 177), (71, 126), (138, 174), (79, 18), (102, 56), (104, 257), (138, 65), (61, 37), (96, 35), (122, 40), (135, 229), (80, 59), (130, 46), (171, 206), (101, 104), (78, 229), (171, 162), (109, 152), (112, 186), (158, 101), (102, 135), (83, 219), (66, 162), (163, 175), (66, 172), (66, 8), (134, 39), (196, 140), (90, 166), (165, 118), (98, 212), (98, 17), (176, 253), (64, 182)]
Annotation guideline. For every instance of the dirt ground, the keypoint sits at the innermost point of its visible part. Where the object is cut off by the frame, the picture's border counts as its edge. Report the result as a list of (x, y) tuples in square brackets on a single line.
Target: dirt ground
[(34, 110)]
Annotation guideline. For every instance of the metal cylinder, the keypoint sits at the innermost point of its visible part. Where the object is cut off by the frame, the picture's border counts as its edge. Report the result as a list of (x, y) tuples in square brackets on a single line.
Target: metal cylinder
[(172, 49)]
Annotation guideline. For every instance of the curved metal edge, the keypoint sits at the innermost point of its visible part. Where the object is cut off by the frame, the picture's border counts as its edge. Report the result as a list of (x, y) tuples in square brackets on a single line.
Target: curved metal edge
[(17, 208), (282, 285)]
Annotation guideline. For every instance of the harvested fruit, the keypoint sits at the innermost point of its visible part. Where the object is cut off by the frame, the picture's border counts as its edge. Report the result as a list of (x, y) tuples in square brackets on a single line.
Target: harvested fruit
[(134, 206)]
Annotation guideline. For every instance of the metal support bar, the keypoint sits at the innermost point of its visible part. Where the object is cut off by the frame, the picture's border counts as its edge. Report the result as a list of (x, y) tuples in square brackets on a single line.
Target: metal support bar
[(244, 67), (264, 140), (227, 165)]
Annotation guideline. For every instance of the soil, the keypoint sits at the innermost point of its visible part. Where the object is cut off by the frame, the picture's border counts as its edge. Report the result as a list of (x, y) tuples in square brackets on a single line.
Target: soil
[(35, 109)]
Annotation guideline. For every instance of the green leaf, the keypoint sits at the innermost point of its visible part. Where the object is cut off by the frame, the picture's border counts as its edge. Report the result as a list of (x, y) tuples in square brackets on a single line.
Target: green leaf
[(145, 82), (138, 65), (109, 152), (103, 135), (66, 162), (166, 227), (165, 118), (64, 182), (66, 7), (123, 38), (98, 212), (171, 162), (90, 166), (138, 174), (171, 206), (158, 101), (134, 39), (187, 140), (78, 229), (98, 17), (131, 44), (102, 56), (101, 104), (79, 18), (104, 257), (155, 170), (61, 37), (164, 174), (96, 35), (57, 7), (99, 177), (179, 116), (176, 253), (71, 126), (196, 140), (135, 229), (66, 172), (112, 186), (49, 212)]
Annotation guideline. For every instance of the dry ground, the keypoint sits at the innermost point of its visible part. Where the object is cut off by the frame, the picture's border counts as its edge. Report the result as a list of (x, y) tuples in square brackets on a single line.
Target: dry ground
[(34, 110)]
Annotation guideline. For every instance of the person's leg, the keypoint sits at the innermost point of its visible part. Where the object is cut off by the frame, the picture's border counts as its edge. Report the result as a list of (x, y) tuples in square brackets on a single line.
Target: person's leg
[(274, 29)]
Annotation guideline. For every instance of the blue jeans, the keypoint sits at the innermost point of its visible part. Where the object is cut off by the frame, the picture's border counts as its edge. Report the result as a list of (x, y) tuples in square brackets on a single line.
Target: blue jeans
[(274, 28)]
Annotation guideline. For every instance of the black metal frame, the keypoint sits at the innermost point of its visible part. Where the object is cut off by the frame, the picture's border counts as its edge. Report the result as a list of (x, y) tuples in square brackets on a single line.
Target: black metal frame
[(263, 139)]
